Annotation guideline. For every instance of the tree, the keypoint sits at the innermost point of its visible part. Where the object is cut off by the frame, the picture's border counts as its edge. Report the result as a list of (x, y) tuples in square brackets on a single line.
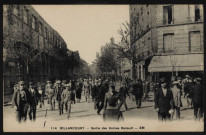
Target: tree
[(107, 61), (127, 48)]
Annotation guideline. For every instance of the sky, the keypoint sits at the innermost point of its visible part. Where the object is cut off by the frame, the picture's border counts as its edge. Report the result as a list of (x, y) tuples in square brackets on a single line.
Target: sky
[(85, 27)]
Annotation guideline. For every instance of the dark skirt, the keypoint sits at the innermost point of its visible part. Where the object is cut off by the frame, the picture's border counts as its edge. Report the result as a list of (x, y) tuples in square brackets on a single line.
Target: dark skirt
[(112, 115)]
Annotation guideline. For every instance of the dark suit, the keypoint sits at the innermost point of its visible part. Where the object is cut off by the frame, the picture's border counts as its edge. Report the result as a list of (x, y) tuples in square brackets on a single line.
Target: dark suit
[(138, 92), (58, 92), (164, 103), (20, 100), (33, 101), (101, 96), (123, 92), (196, 94), (95, 90)]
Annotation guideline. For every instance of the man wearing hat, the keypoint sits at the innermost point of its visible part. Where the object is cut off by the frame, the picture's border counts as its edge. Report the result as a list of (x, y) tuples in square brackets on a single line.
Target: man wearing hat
[(196, 94), (188, 88), (87, 90), (138, 92), (163, 101), (40, 94), (184, 84), (66, 99), (101, 95), (58, 92), (95, 91), (51, 94), (123, 92), (20, 102), (33, 101), (177, 98), (46, 89)]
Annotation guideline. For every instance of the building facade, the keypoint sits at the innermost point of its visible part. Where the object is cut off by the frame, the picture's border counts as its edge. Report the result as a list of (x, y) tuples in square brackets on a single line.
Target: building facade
[(169, 40), (32, 49)]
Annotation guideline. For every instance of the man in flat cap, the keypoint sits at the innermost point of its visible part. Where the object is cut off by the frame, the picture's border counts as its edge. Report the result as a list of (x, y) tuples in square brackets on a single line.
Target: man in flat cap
[(163, 101), (66, 99), (33, 101), (196, 94), (58, 92), (20, 102)]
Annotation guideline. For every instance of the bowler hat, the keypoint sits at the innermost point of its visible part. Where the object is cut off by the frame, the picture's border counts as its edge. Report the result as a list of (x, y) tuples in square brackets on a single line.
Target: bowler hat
[(162, 80)]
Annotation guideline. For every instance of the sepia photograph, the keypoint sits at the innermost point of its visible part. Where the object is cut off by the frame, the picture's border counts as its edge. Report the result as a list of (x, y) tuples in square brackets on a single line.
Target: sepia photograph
[(103, 68)]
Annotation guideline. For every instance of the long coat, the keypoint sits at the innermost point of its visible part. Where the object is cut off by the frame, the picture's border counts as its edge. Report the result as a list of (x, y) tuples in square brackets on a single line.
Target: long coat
[(138, 89), (176, 96), (164, 103), (197, 94), (33, 97)]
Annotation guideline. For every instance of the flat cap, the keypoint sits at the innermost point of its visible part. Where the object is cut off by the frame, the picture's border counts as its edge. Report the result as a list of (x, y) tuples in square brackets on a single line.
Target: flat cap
[(21, 82), (187, 76)]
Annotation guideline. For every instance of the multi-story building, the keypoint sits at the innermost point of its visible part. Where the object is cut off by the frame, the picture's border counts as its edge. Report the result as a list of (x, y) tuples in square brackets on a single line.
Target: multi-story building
[(169, 39), (32, 49)]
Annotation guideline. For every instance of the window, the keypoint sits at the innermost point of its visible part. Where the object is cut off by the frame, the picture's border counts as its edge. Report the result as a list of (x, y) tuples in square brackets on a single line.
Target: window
[(167, 15), (49, 38), (168, 42), (26, 16), (52, 37), (40, 28), (194, 41), (33, 22), (197, 12), (46, 33)]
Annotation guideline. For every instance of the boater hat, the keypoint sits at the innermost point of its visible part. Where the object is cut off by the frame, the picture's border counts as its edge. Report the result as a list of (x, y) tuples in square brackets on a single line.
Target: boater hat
[(21, 82)]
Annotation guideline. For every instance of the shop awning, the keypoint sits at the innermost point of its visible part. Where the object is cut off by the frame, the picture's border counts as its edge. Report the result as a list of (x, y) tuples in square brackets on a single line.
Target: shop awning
[(169, 63)]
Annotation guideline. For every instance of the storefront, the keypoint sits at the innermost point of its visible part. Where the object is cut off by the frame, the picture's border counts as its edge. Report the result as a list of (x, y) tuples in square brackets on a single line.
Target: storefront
[(177, 65)]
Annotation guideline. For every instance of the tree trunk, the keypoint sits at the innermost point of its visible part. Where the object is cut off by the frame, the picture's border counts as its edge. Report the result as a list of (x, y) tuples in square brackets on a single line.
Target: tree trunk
[(134, 71)]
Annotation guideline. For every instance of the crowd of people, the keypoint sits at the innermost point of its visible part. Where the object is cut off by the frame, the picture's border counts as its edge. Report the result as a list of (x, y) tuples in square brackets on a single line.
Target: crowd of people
[(102, 92)]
